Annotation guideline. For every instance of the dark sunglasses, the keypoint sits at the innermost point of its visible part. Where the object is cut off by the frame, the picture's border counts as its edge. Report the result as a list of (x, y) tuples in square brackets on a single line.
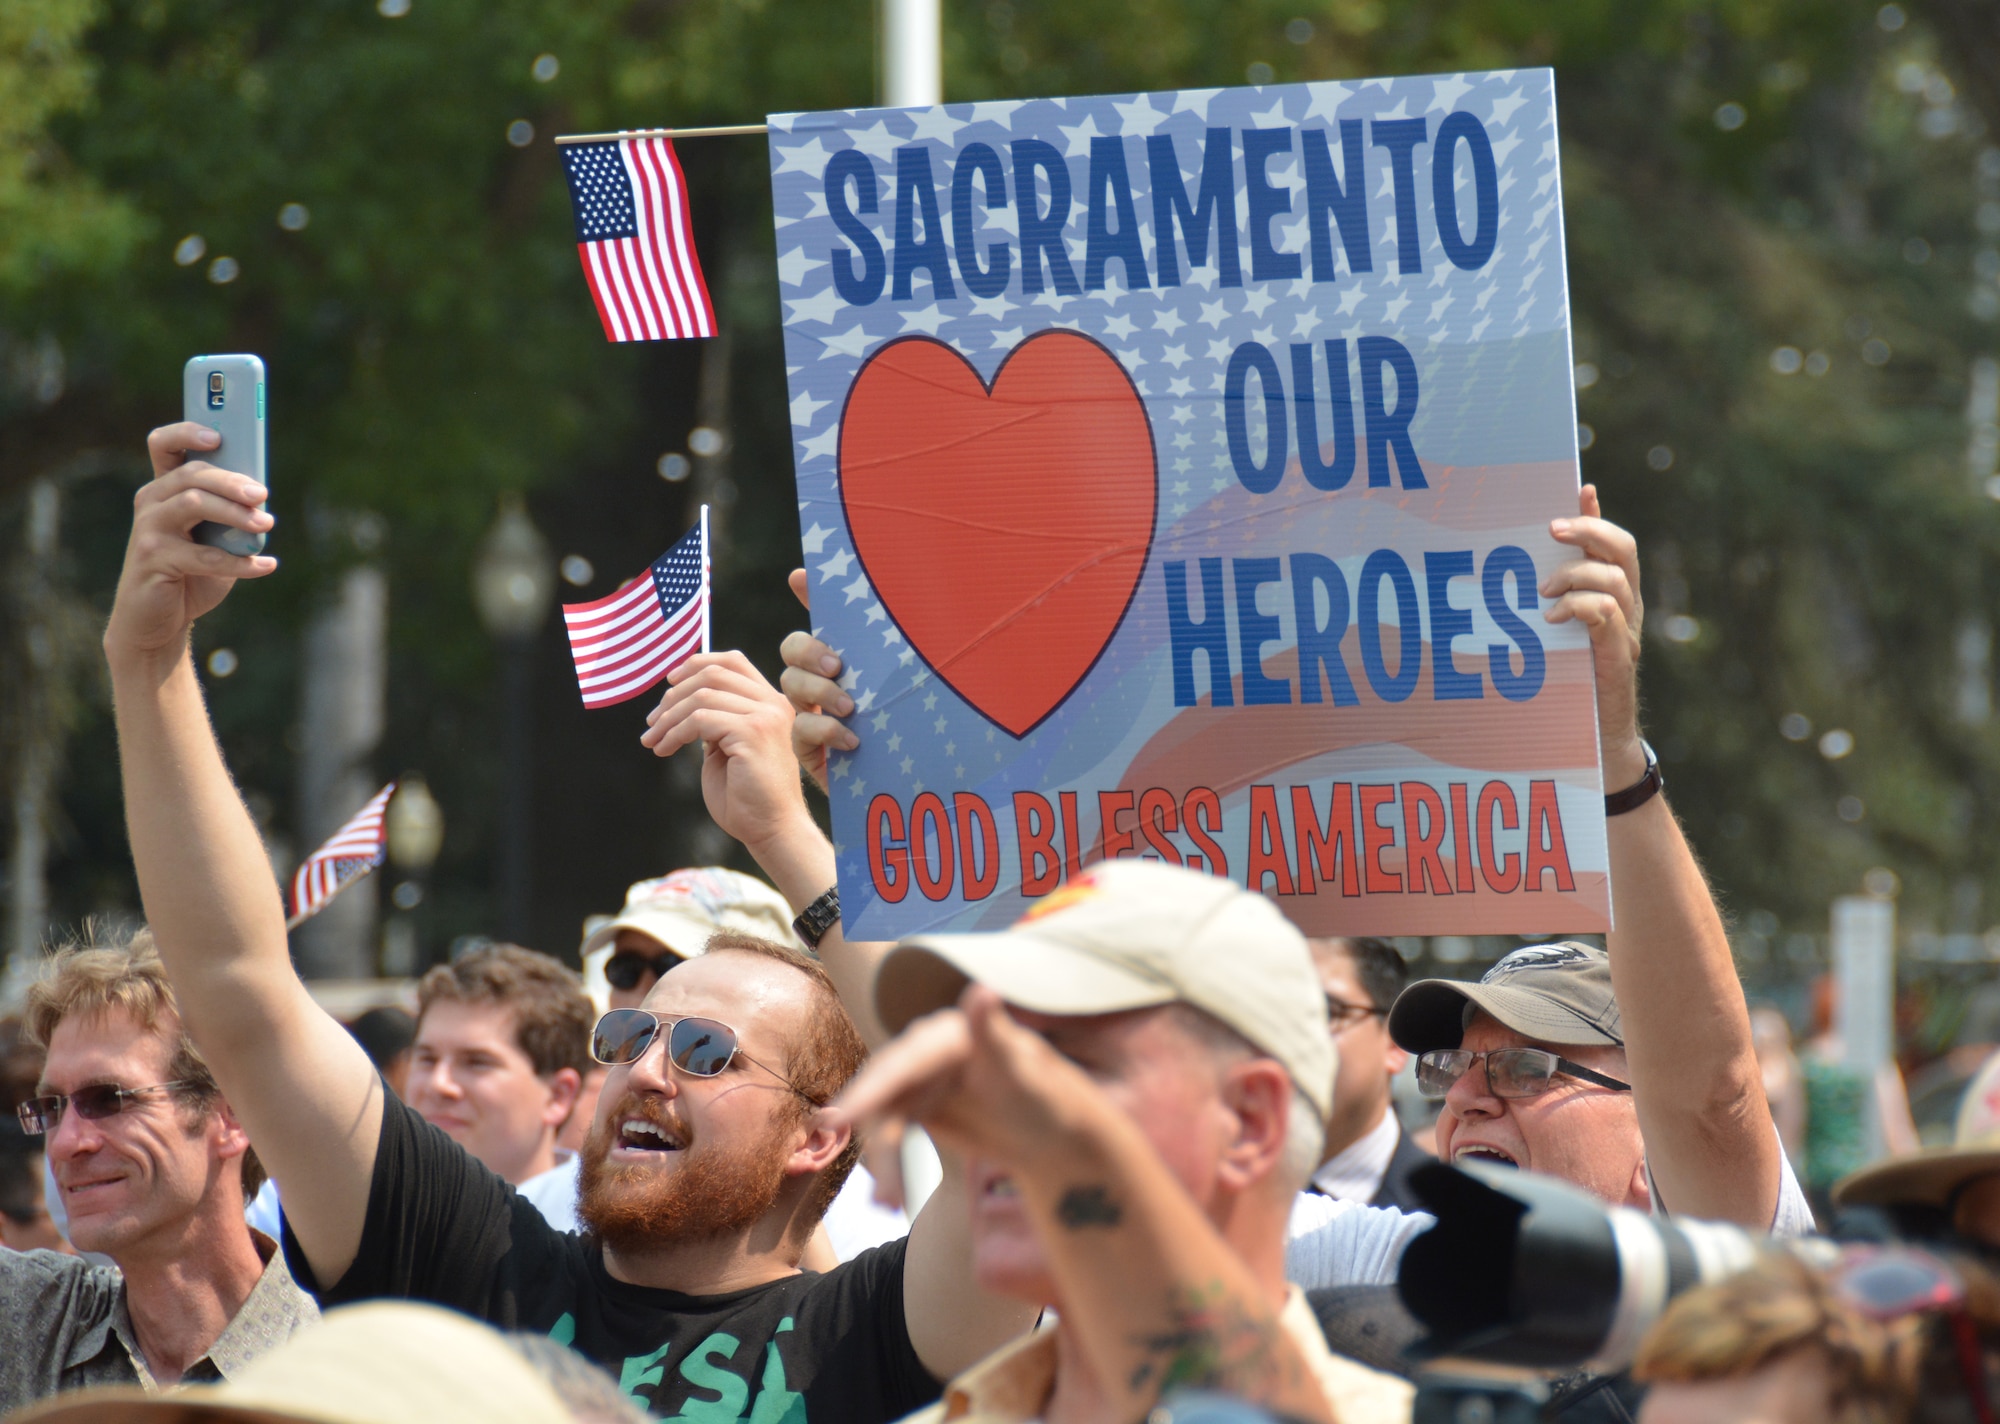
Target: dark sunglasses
[(99, 1100), (1510, 1072), (628, 969), (700, 1047)]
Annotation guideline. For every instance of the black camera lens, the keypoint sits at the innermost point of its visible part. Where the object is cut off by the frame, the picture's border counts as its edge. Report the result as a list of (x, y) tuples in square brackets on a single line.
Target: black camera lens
[(215, 381)]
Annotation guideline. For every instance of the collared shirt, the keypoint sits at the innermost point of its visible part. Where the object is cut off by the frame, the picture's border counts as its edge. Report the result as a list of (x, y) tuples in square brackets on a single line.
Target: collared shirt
[(1013, 1384), (1355, 1172), (67, 1325)]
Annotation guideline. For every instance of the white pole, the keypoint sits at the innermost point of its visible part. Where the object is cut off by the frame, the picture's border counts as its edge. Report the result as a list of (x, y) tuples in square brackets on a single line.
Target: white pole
[(912, 70), (1864, 966)]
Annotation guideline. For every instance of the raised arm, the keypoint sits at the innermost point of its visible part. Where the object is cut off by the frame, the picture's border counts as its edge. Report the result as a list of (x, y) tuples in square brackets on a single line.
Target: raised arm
[(751, 786), (1695, 1079), (1155, 1295), (302, 1087)]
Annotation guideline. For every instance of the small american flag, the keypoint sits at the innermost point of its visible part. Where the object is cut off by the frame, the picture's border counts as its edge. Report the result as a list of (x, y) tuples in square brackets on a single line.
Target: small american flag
[(627, 641), (633, 234), (350, 853)]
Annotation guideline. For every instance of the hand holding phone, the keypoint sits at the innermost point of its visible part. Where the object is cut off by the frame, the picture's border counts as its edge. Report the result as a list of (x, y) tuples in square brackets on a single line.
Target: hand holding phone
[(226, 394)]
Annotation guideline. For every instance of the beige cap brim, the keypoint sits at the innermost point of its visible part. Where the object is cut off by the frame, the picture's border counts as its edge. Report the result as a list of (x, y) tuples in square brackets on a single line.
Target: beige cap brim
[(1926, 1178), (676, 934), (923, 975)]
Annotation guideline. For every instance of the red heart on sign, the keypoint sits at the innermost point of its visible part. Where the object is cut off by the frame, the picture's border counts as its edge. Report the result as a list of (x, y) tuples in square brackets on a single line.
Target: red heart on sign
[(1004, 529)]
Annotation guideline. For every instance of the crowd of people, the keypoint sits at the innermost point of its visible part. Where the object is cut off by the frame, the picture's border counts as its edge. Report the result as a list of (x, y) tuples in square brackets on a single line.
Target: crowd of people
[(1172, 1157)]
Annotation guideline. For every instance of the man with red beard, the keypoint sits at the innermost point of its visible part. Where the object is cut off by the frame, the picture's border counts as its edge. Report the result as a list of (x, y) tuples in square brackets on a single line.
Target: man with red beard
[(708, 1163)]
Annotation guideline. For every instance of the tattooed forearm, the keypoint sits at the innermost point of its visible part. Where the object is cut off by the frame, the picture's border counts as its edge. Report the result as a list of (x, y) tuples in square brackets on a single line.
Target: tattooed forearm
[(1213, 1343), (1082, 1207)]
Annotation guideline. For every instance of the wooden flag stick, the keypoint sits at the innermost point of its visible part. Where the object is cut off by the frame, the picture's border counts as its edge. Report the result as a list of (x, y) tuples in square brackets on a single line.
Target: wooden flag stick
[(719, 131)]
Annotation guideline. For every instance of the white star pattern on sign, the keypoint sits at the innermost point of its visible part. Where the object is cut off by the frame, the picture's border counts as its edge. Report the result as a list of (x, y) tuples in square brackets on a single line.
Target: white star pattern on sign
[(805, 158), (935, 123)]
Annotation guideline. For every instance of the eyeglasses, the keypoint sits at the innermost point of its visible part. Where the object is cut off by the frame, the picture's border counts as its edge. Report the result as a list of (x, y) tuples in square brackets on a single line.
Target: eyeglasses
[(628, 969), (1510, 1072), (1341, 1015), (99, 1100), (697, 1046), (1888, 1283)]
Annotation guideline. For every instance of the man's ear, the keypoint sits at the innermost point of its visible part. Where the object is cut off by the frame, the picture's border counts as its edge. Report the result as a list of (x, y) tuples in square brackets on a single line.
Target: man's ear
[(563, 1084), (1259, 1096), (1395, 1058), (823, 1143), (226, 1133)]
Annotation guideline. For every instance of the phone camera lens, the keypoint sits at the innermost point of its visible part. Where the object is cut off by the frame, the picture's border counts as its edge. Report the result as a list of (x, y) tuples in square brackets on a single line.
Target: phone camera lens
[(215, 381)]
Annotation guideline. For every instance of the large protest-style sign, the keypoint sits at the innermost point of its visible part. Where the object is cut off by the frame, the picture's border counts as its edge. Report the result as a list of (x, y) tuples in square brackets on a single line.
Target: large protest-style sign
[(1175, 473)]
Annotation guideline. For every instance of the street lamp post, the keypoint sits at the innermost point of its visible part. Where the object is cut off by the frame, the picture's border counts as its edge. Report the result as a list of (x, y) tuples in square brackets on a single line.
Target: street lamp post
[(513, 584), (415, 827)]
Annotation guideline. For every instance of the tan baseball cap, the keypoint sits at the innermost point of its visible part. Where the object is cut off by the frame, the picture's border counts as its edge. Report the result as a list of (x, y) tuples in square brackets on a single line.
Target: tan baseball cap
[(683, 909), (1934, 1176), (385, 1362), (1131, 935), (1556, 993)]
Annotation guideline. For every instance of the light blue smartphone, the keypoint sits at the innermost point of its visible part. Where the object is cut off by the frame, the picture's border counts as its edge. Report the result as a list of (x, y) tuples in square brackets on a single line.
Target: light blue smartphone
[(226, 393)]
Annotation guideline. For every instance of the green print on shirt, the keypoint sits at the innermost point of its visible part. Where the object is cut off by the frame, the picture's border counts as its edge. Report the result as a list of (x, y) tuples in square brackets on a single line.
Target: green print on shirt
[(775, 1404)]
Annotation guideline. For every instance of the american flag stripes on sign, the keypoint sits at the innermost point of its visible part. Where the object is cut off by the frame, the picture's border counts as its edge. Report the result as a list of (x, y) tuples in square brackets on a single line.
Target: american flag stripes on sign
[(350, 853), (627, 641), (637, 245)]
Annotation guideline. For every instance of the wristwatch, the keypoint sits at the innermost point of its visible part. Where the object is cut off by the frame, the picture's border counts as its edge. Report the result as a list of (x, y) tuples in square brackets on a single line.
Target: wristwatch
[(818, 917), (1617, 803)]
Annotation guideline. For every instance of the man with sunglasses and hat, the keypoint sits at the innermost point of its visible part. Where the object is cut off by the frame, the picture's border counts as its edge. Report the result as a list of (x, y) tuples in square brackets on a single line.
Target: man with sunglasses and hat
[(707, 1166), (153, 1168)]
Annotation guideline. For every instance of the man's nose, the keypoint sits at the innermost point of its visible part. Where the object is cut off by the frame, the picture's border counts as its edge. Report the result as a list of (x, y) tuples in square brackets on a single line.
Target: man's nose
[(73, 1136), (1472, 1096), (649, 1072)]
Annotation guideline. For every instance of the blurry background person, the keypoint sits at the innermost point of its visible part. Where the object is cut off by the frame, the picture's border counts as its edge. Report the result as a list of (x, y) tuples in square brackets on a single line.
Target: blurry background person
[(1838, 1103), (668, 919), (387, 1034), (1777, 1345), (503, 1038), (1368, 1155), (1942, 1192), (154, 1169), (25, 1222)]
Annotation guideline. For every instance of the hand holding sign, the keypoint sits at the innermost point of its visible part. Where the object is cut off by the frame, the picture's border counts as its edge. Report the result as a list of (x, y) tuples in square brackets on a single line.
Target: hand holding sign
[(1601, 591)]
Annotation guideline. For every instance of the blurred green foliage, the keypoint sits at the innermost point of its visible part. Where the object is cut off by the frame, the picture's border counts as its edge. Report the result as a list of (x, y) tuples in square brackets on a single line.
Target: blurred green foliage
[(1781, 225)]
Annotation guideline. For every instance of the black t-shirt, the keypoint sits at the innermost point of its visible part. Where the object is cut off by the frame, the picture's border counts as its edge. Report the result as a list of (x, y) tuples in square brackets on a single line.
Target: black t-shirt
[(807, 1349)]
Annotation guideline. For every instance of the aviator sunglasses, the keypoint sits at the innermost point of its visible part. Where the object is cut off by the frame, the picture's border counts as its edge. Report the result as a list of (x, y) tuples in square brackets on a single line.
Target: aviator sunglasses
[(1510, 1072), (96, 1102), (700, 1047)]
